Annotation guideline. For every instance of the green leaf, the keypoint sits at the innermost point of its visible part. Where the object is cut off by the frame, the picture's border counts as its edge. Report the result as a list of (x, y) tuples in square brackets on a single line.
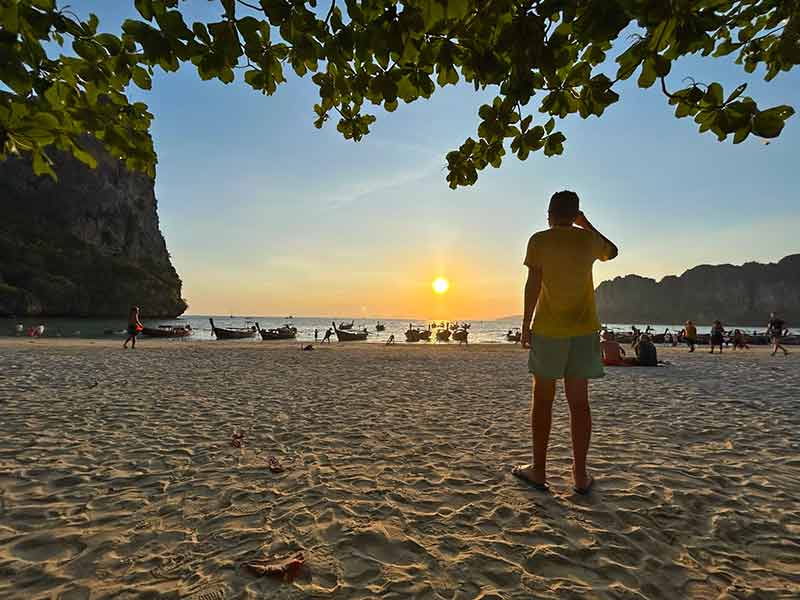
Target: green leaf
[(713, 96), (736, 93), (145, 8), (769, 123), (741, 135), (648, 75), (141, 77)]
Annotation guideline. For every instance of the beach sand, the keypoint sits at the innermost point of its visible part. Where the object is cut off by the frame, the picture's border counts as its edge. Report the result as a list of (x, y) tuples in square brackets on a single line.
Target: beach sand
[(119, 480)]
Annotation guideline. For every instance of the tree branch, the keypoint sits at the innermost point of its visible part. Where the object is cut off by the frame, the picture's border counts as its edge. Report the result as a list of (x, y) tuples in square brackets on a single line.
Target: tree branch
[(251, 6), (330, 11)]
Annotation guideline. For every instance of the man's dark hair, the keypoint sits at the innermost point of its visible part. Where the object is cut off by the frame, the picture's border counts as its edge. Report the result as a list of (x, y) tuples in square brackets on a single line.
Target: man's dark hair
[(564, 205)]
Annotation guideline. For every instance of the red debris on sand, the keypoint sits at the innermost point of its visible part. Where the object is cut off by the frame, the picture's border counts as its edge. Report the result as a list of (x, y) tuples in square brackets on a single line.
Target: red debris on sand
[(275, 466), (237, 439), (286, 567)]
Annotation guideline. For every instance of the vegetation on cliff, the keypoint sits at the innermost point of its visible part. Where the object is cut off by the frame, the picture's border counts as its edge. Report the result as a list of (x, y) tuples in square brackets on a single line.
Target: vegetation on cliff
[(87, 245), (741, 295)]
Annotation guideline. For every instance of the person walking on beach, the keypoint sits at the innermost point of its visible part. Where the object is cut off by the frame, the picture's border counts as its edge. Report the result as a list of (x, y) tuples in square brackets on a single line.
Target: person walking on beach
[(776, 329), (717, 336), (563, 339), (690, 335), (134, 327)]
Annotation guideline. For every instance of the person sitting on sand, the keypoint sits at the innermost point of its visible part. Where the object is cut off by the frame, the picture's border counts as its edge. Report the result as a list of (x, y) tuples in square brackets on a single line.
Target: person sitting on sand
[(646, 354), (717, 336), (563, 341), (776, 329), (689, 334), (739, 341), (613, 352), (134, 327)]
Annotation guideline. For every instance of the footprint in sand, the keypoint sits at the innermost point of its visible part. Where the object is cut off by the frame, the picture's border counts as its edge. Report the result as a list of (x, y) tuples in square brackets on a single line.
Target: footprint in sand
[(212, 592), (47, 548)]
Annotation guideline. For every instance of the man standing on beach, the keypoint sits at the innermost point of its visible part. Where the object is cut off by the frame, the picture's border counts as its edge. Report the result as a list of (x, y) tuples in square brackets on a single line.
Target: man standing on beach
[(690, 335), (563, 341), (775, 330)]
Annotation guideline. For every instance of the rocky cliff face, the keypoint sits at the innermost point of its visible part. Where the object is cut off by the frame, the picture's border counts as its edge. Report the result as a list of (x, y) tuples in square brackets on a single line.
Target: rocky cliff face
[(742, 295), (87, 245)]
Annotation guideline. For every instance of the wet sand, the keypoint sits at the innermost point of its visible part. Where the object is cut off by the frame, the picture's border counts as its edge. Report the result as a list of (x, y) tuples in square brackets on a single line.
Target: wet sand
[(118, 478)]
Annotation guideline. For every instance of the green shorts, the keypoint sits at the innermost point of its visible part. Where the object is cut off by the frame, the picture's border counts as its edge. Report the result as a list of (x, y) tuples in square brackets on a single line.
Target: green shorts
[(571, 357)]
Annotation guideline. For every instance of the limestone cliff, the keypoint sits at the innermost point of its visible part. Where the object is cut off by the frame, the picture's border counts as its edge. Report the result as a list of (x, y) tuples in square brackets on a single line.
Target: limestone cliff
[(86, 245), (742, 295)]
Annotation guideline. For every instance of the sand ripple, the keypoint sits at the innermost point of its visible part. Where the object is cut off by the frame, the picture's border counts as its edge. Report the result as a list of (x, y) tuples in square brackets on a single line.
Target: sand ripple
[(118, 480)]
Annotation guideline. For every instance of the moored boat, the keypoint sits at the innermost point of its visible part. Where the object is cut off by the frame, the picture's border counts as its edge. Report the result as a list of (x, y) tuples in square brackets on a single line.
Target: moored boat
[(167, 331), (443, 335), (232, 333), (346, 326), (514, 335), (285, 332), (350, 336), (461, 335), (379, 326), (417, 334)]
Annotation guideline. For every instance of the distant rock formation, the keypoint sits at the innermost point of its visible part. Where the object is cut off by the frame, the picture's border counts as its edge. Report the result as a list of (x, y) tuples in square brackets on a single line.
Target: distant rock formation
[(87, 245), (742, 295)]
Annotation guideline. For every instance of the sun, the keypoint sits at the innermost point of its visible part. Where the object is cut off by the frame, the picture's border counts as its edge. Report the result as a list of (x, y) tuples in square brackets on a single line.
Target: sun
[(440, 285)]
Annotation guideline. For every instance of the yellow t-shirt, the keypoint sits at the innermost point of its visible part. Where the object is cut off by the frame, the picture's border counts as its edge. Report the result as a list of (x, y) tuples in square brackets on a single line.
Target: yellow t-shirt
[(566, 306)]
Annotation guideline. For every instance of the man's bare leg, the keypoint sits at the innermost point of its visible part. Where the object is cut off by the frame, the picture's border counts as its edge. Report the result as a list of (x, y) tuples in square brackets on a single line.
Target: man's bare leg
[(544, 392), (580, 421)]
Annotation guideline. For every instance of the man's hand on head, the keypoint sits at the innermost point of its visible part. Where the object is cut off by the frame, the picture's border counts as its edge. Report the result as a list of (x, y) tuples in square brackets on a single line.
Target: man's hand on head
[(581, 221)]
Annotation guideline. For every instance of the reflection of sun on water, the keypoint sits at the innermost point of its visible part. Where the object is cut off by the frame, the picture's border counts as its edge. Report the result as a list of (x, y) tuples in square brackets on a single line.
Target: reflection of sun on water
[(440, 285)]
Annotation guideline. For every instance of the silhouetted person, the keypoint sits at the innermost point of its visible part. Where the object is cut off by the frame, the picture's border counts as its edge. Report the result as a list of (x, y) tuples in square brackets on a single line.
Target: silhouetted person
[(776, 329), (316, 334), (390, 341), (690, 335), (134, 327), (717, 336), (327, 337)]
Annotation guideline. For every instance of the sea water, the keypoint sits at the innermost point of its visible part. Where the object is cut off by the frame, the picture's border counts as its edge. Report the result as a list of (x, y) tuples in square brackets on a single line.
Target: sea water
[(487, 331)]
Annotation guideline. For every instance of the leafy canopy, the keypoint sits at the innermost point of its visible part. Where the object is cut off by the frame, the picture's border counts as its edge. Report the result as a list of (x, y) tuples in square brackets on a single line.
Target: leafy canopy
[(541, 56)]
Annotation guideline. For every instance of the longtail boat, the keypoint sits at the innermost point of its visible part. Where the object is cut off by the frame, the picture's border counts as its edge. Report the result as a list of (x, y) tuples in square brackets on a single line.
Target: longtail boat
[(461, 335), (514, 335), (443, 335), (350, 336), (232, 333), (417, 334), (379, 326), (346, 326), (168, 331), (285, 332)]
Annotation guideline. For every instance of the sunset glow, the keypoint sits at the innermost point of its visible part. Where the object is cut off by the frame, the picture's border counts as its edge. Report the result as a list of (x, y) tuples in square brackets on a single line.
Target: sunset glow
[(440, 285)]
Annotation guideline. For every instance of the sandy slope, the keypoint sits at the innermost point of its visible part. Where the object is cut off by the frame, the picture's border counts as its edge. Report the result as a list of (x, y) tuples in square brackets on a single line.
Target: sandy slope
[(118, 478)]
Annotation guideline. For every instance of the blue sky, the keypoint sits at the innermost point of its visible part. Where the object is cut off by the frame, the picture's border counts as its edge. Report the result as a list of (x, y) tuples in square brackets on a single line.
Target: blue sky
[(264, 214)]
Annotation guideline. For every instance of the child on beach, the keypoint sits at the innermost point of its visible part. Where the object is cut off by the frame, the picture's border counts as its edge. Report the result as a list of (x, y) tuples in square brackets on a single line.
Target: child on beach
[(134, 327), (563, 340)]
